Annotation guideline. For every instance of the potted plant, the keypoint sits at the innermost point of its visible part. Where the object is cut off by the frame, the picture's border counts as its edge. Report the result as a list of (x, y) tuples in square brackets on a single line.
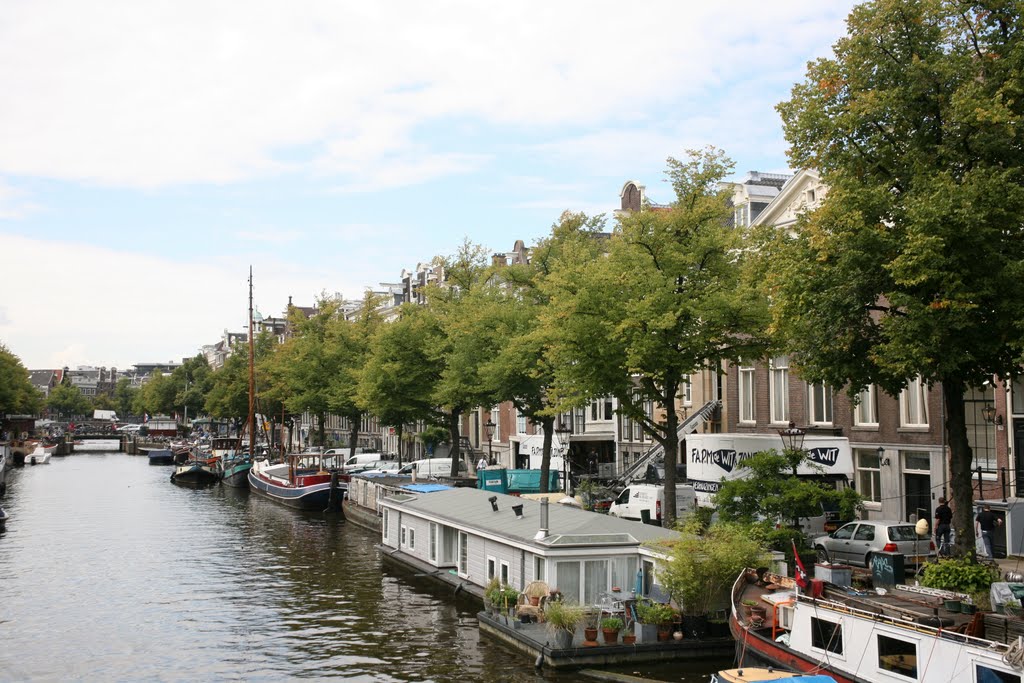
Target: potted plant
[(1012, 608), (590, 624), (492, 596), (650, 615), (562, 619), (701, 568), (610, 627)]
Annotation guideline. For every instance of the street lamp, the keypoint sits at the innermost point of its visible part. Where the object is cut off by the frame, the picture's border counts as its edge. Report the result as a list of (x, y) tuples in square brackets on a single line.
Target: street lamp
[(489, 426), (793, 437), (563, 431)]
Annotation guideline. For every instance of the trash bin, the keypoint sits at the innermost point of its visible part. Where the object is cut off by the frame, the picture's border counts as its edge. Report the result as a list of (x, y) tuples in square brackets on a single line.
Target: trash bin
[(887, 569)]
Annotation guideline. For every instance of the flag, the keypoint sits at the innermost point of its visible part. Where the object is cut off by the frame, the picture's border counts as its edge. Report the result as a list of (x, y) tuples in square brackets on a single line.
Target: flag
[(801, 573)]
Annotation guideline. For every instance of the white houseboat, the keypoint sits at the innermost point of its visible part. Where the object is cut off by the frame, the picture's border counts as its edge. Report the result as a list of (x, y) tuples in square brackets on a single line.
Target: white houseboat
[(466, 536)]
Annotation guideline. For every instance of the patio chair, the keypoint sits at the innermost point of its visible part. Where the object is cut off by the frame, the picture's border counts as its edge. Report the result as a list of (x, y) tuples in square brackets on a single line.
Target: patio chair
[(535, 592)]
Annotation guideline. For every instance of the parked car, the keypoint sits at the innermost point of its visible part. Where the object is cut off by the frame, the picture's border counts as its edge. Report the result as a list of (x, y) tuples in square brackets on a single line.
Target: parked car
[(129, 428), (854, 543), (379, 467), (636, 498)]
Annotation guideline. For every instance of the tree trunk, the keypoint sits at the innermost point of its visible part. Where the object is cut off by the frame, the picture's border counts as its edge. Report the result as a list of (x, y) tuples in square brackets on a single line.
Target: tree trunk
[(548, 425), (671, 445), (960, 459), (321, 429), (353, 438), (453, 434), (398, 435)]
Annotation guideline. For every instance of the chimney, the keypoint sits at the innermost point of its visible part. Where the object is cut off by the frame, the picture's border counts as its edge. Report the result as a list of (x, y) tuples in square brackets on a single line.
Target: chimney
[(542, 533)]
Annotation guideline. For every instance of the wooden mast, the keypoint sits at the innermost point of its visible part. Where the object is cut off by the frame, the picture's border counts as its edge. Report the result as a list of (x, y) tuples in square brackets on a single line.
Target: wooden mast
[(252, 379)]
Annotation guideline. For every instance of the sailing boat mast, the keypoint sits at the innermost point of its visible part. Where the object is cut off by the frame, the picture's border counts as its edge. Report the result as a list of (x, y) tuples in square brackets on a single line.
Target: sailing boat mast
[(252, 378)]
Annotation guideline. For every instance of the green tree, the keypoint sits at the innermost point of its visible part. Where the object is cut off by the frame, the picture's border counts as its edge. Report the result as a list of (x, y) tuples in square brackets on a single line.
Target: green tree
[(520, 360), (913, 265), (458, 352), (124, 396), (771, 490), (395, 382), (17, 395), (668, 300), (68, 401), (350, 338), (156, 396), (192, 381)]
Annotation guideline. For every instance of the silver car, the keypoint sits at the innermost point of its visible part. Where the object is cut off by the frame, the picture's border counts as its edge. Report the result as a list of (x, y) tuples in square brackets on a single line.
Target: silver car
[(854, 543)]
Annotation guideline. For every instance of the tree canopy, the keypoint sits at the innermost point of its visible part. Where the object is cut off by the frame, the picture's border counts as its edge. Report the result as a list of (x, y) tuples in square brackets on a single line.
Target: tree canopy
[(913, 264), (17, 395)]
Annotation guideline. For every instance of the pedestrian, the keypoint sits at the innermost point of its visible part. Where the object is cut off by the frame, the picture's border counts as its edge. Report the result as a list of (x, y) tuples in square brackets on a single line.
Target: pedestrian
[(481, 463), (985, 523), (943, 520)]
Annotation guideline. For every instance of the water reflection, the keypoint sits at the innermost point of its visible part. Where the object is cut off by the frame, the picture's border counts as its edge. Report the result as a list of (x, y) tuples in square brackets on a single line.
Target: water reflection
[(109, 571)]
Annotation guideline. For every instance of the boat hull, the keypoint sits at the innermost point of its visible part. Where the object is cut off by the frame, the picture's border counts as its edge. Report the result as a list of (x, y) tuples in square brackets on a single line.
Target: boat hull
[(195, 475), (313, 497), (236, 474), (161, 457)]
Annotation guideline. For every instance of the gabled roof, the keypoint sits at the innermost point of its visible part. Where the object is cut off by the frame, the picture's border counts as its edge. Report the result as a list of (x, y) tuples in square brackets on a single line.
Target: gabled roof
[(790, 193), (470, 509)]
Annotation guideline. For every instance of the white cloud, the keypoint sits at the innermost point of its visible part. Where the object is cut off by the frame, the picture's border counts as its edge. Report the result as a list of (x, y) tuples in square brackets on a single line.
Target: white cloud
[(13, 203), (138, 306), (149, 94)]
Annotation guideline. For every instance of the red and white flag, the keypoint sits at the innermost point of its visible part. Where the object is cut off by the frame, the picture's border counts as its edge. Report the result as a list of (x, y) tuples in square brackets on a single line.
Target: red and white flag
[(801, 573)]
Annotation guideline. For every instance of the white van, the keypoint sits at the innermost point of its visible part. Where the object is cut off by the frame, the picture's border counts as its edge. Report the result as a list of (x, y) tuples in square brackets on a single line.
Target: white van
[(651, 497), (360, 460), (433, 467)]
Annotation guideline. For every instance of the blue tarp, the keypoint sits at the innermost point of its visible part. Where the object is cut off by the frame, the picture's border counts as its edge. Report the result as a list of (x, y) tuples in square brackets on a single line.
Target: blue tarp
[(425, 488), (501, 480)]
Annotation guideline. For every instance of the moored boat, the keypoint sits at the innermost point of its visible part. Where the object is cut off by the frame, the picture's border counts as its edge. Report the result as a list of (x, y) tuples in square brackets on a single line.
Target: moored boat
[(40, 456), (233, 463), (299, 483), (161, 456), (196, 472), (901, 633), (755, 674)]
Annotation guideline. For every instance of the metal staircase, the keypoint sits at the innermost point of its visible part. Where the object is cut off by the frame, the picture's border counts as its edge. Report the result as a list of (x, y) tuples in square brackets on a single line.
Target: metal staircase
[(657, 452)]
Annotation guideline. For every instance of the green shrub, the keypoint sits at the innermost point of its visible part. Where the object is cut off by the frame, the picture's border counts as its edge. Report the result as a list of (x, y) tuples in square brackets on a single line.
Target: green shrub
[(653, 613), (960, 575), (563, 616), (612, 623)]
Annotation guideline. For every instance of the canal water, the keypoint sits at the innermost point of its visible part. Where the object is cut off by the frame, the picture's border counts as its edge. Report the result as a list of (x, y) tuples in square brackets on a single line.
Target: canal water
[(110, 572)]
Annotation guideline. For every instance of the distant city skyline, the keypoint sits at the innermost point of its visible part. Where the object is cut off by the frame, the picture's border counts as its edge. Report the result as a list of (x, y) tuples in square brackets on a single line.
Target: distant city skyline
[(150, 153)]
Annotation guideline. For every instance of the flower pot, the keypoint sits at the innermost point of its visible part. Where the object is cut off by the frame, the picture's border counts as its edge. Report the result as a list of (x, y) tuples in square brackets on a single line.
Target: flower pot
[(628, 639), (563, 639), (611, 636), (677, 635), (534, 600), (664, 634), (590, 634), (968, 608)]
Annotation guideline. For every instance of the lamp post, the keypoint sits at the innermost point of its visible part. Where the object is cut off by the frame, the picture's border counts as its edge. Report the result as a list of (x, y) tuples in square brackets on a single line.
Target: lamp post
[(793, 445), (489, 426), (564, 431)]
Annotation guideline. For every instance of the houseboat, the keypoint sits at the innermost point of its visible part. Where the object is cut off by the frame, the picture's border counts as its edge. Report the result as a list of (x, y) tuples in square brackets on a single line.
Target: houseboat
[(903, 633)]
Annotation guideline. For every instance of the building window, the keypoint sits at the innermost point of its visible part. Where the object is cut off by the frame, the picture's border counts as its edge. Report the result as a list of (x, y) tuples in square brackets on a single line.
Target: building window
[(820, 404), (778, 378), (505, 576), (463, 553), (981, 434), (746, 388), (539, 568), (869, 475), (897, 656), (914, 404), (386, 523), (492, 568), (520, 423), (866, 412), (826, 635), (687, 390), (412, 538), (402, 537), (433, 542), (987, 675)]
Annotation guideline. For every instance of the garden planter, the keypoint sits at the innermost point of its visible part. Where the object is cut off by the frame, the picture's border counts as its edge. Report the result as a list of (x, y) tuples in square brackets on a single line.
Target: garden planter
[(952, 605), (968, 608), (628, 639), (611, 636), (534, 600), (664, 634), (646, 633), (590, 635), (563, 639)]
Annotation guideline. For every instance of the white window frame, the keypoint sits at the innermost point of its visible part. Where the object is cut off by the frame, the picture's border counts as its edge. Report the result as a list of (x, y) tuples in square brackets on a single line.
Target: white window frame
[(778, 371), (865, 414), (504, 573), (412, 538), (825, 392), (462, 544), (540, 569), (687, 390), (911, 415), (492, 567), (746, 394), (401, 541), (386, 523), (520, 422), (874, 468), (434, 536)]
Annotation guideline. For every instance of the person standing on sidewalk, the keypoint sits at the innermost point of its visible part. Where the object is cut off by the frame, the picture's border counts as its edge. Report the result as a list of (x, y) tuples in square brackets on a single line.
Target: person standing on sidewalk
[(985, 523), (943, 522)]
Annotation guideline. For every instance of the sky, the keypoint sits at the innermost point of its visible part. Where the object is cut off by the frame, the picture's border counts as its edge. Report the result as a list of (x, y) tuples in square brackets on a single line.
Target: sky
[(150, 151)]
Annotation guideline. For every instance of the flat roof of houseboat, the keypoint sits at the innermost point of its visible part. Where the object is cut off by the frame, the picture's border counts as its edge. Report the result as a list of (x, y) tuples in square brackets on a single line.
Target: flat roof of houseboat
[(471, 509)]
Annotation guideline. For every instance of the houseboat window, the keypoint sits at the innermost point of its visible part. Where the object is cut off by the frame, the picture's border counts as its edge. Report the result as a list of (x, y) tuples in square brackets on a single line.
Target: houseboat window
[(539, 572), (826, 635), (412, 538), (623, 572), (987, 675), (567, 577), (433, 542), (387, 522), (897, 656), (402, 542), (492, 568), (595, 581), (463, 553), (504, 573)]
